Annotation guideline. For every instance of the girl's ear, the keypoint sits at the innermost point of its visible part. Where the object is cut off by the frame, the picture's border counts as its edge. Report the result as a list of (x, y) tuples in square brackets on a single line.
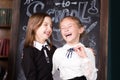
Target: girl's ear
[(81, 30)]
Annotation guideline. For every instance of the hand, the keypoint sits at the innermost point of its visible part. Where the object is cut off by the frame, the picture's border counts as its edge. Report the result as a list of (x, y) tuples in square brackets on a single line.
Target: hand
[(80, 51)]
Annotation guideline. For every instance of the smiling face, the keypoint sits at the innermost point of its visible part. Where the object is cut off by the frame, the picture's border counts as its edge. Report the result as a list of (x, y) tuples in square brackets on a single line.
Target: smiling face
[(44, 31), (70, 31)]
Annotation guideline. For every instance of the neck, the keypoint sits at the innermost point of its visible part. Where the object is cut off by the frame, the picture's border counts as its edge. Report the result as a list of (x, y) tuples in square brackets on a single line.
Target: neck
[(42, 42), (72, 44)]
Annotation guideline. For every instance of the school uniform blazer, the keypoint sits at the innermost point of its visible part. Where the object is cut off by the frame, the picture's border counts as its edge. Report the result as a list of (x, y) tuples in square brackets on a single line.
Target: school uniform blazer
[(34, 64)]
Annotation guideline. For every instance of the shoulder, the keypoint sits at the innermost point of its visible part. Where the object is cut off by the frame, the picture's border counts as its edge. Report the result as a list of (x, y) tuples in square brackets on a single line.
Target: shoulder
[(28, 49), (27, 52), (90, 51), (58, 51), (57, 54), (54, 47)]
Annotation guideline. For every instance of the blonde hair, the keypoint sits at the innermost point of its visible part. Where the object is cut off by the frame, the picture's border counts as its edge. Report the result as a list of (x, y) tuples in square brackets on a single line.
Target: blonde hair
[(34, 22)]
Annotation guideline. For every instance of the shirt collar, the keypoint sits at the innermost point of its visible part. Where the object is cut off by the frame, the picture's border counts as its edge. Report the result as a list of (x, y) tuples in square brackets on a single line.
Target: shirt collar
[(38, 45), (66, 46)]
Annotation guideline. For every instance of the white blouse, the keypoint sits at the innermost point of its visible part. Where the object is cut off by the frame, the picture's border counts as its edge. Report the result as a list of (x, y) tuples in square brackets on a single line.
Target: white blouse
[(74, 66)]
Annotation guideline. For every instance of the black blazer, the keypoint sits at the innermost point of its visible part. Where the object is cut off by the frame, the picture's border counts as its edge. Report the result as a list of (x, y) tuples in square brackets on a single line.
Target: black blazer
[(34, 64)]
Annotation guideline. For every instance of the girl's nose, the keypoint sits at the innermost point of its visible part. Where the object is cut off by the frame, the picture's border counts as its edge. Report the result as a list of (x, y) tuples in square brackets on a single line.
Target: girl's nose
[(66, 29), (49, 28)]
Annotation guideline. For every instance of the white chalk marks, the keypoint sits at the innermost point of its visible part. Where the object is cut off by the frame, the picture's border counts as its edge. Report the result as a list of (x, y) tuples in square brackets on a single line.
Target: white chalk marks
[(86, 10)]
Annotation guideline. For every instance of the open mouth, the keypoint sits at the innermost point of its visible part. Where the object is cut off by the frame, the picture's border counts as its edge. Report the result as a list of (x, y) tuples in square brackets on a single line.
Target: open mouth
[(47, 33), (68, 35)]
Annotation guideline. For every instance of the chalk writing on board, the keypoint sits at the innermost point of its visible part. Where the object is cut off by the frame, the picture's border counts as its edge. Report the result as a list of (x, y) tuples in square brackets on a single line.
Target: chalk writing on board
[(58, 13), (36, 4), (65, 4), (79, 12), (86, 10), (28, 1), (61, 8), (92, 41), (91, 27), (93, 9)]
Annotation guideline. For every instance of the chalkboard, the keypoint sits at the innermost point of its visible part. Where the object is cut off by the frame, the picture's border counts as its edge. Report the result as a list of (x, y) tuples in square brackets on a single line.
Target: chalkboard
[(88, 11)]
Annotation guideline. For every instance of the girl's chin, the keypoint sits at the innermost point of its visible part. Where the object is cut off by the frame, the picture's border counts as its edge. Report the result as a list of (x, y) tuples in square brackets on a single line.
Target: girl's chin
[(68, 40), (47, 36)]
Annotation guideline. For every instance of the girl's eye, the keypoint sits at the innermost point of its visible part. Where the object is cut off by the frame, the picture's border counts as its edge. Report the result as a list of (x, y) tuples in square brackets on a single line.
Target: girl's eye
[(62, 28), (46, 24), (69, 26)]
